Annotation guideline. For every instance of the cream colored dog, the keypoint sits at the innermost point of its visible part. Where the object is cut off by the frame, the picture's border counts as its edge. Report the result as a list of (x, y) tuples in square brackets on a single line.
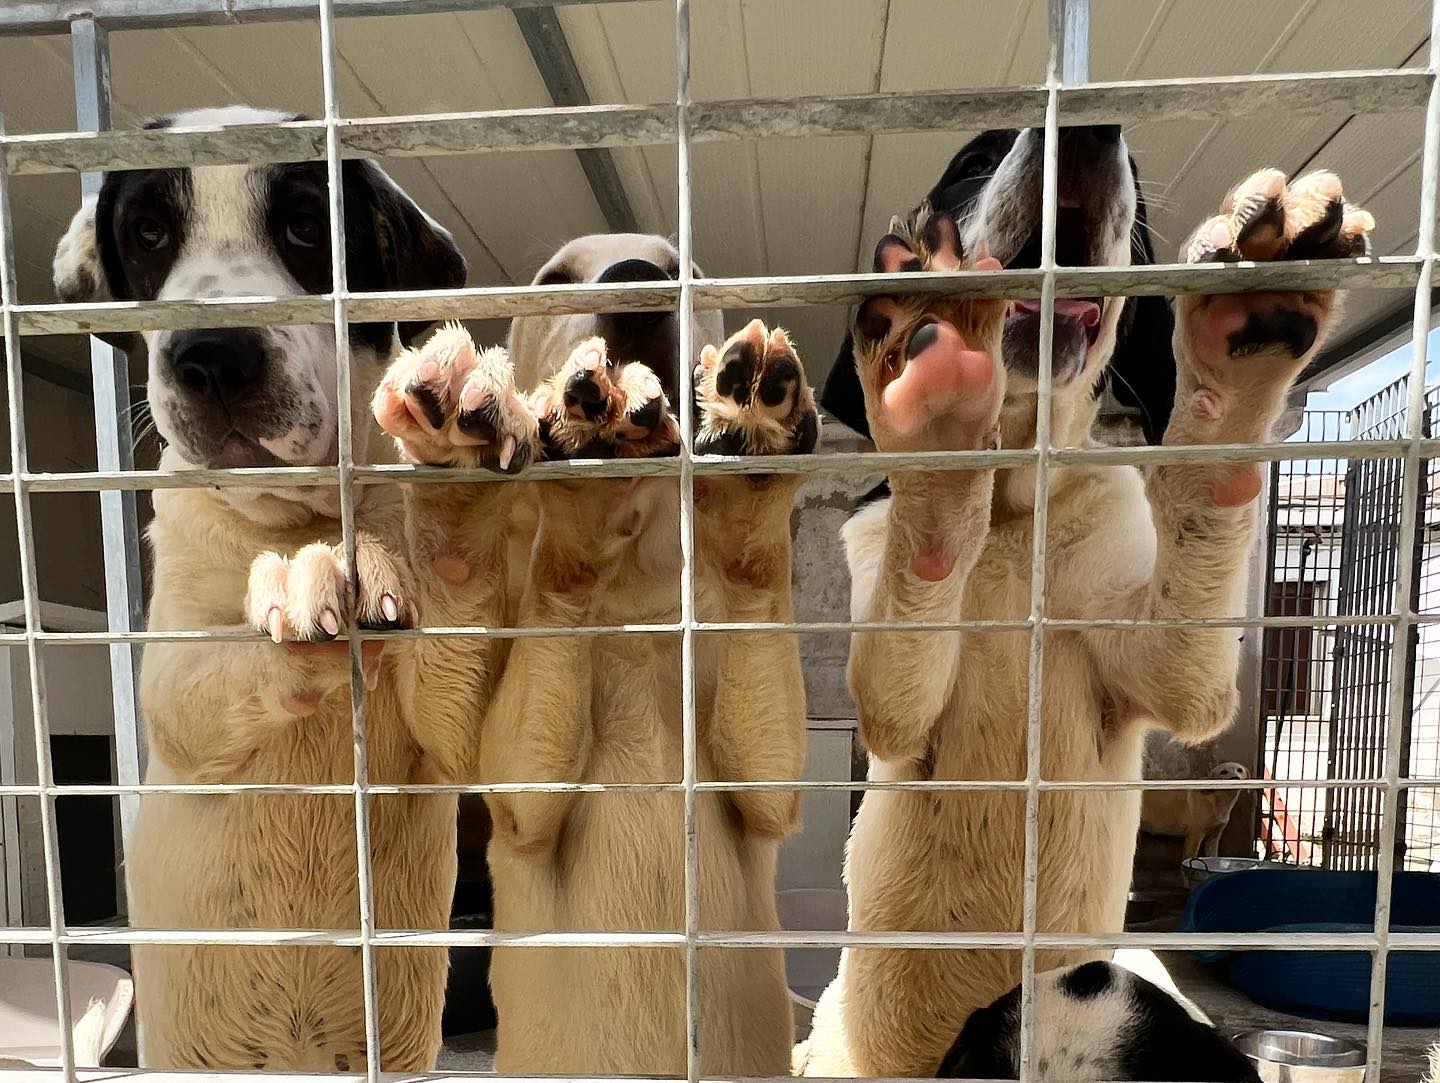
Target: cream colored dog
[(1197, 816), (608, 709), (245, 559), (958, 545)]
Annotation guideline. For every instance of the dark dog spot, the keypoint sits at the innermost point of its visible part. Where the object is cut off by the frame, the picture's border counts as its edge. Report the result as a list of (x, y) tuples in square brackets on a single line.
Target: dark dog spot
[(1088, 981), (1272, 327), (784, 374), (728, 442), (429, 402), (483, 423), (581, 390), (737, 368), (807, 433), (1269, 215), (647, 416), (871, 325), (1315, 240)]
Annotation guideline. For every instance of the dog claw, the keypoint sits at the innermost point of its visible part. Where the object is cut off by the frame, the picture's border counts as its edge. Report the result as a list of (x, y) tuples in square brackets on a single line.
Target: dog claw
[(330, 622), (389, 608), (275, 624), (507, 450)]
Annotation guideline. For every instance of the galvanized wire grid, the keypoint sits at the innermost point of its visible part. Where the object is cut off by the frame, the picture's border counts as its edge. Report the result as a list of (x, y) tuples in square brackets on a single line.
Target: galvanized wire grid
[(1066, 92)]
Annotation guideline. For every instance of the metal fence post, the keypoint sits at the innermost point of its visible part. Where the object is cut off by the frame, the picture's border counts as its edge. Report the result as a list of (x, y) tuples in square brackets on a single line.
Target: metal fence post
[(114, 450)]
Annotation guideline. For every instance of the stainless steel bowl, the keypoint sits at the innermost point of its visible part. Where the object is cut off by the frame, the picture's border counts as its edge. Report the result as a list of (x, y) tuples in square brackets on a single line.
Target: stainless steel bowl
[(1296, 1056)]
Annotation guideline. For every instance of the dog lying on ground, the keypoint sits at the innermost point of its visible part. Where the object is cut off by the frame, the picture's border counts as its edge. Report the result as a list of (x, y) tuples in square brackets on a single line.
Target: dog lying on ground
[(1096, 1022), (1197, 816), (948, 546), (608, 709), (268, 558)]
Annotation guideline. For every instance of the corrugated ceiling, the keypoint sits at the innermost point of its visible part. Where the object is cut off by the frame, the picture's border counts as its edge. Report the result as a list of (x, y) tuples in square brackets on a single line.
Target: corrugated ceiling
[(772, 207)]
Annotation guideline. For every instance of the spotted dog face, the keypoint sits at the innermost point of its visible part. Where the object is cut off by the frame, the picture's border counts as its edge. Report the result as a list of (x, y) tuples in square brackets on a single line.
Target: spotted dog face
[(540, 345), (234, 397), (992, 188), (1093, 1022)]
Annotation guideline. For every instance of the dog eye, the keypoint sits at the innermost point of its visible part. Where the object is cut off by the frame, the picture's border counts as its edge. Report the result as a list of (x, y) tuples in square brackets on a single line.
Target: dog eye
[(303, 231), (150, 234)]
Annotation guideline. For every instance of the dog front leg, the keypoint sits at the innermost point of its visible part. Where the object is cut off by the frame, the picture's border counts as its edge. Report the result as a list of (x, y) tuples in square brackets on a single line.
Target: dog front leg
[(751, 398), (211, 706), (539, 726), (933, 381), (934, 528), (450, 403), (1237, 356)]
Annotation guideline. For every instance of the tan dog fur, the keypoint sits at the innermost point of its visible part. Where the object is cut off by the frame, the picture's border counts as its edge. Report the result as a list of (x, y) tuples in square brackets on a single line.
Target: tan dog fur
[(608, 710), (273, 712), (951, 705)]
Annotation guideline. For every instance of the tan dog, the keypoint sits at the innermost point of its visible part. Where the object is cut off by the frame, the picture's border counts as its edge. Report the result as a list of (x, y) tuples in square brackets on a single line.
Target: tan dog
[(958, 545), (246, 559), (1197, 816), (608, 709)]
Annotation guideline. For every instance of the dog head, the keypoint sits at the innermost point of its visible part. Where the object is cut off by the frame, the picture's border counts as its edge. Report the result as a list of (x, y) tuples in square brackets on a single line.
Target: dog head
[(993, 189), (540, 344), (1096, 1021), (238, 396), (1230, 771)]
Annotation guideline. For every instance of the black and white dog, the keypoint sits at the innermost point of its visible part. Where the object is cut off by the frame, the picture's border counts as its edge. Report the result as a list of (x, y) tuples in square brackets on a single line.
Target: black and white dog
[(266, 558), (1141, 370), (236, 397), (1096, 1022)]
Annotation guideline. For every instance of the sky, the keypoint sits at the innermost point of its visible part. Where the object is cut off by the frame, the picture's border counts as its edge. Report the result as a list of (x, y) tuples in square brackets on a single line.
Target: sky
[(1350, 391), (1347, 392)]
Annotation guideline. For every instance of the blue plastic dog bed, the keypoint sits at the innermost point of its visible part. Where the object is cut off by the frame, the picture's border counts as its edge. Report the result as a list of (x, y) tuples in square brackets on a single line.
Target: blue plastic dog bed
[(1323, 984)]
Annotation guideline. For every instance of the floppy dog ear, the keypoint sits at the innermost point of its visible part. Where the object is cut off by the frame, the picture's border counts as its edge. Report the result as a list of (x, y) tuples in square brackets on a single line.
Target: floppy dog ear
[(392, 243), (842, 397), (1142, 369), (81, 273)]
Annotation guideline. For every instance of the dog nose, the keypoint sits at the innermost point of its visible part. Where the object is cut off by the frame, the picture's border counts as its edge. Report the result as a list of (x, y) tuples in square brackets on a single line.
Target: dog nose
[(220, 363), (633, 270), (1105, 135)]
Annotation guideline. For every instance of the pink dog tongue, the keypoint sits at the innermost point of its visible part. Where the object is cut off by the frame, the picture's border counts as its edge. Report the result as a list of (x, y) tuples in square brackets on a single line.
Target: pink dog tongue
[(1087, 312)]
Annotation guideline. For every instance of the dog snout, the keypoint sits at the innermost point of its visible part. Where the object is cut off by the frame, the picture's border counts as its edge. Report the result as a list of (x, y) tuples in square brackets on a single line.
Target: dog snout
[(219, 364)]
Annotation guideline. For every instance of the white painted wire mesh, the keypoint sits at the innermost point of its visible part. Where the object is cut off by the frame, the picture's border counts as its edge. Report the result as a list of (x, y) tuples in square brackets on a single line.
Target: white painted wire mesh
[(1065, 95)]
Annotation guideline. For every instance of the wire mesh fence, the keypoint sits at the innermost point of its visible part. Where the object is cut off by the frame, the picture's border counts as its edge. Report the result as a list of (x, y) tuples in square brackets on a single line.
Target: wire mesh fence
[(1334, 551), (1343, 590)]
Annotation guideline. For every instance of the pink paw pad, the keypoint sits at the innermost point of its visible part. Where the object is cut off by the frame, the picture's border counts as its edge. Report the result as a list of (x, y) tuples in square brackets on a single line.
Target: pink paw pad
[(932, 564)]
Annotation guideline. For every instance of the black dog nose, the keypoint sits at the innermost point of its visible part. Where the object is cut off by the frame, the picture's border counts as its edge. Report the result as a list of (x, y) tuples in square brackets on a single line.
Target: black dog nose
[(1106, 135), (633, 270), (224, 363)]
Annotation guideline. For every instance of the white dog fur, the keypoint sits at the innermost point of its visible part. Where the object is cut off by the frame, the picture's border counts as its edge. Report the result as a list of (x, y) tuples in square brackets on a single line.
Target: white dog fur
[(945, 547)]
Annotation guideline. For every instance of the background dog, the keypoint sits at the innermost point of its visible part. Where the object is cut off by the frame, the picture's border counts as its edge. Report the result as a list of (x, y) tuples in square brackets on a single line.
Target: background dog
[(608, 709), (958, 545), (1096, 1022), (268, 559), (1197, 816)]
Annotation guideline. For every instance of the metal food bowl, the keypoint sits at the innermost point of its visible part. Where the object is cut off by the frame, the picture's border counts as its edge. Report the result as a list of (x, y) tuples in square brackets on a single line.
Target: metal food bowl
[(1296, 1056)]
